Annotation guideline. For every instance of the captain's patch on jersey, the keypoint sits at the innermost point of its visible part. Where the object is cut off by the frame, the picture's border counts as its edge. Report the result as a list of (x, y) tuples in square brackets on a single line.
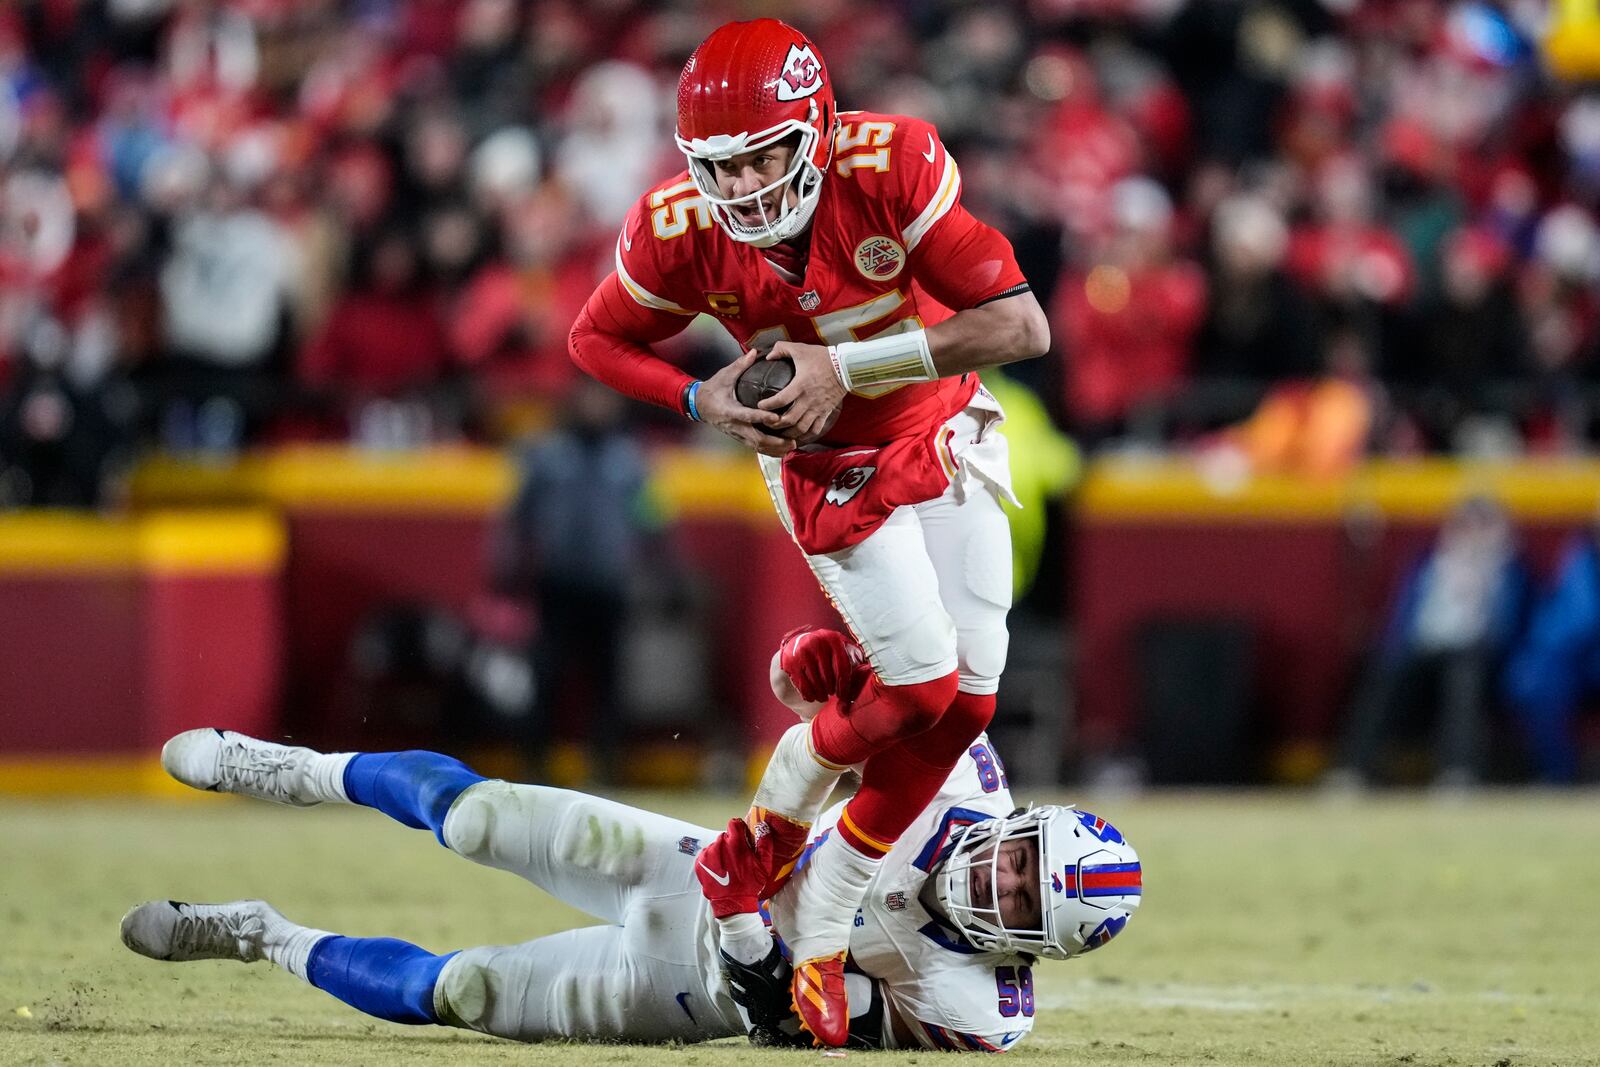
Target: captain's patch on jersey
[(723, 303), (880, 258), (802, 73)]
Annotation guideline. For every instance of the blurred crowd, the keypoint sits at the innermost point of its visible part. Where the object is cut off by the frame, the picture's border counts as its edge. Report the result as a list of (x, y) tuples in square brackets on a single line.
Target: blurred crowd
[(1302, 230)]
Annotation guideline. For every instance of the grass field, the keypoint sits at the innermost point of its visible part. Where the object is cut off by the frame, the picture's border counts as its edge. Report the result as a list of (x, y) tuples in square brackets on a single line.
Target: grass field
[(1276, 930)]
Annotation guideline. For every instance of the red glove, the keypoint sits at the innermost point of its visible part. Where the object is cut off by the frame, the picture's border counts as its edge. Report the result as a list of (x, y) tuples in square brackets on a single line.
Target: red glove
[(821, 663), (733, 870)]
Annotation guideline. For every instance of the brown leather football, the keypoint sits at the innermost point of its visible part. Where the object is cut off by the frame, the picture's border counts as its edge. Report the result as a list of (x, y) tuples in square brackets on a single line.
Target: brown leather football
[(763, 378)]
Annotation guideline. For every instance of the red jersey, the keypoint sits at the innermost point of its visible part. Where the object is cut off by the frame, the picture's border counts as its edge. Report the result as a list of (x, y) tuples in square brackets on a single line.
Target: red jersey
[(891, 249)]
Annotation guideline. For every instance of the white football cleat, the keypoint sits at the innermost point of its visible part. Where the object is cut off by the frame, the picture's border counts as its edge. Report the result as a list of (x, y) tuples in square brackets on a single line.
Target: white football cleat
[(178, 932), (223, 761)]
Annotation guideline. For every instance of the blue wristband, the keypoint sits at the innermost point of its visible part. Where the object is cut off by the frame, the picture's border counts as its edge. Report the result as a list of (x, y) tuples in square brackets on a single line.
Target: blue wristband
[(688, 401)]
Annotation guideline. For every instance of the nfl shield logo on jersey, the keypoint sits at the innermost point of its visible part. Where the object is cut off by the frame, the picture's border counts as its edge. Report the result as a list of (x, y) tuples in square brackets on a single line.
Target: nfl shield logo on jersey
[(895, 901), (847, 483), (880, 258), (809, 300)]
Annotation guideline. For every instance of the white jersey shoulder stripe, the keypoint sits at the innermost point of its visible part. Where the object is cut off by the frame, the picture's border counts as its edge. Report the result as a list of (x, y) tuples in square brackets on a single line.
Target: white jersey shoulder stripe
[(643, 295), (944, 198)]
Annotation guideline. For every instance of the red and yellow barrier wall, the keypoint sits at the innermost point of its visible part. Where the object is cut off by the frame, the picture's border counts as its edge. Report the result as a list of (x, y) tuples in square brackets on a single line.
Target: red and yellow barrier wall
[(368, 529), (117, 632), (230, 594), (1308, 566)]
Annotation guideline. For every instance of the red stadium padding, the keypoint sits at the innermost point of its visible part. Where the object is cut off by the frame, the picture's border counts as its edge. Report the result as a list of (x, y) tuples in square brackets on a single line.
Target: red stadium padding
[(117, 633)]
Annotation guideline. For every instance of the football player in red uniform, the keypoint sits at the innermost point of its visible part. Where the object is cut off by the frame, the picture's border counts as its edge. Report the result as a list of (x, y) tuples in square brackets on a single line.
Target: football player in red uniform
[(838, 240)]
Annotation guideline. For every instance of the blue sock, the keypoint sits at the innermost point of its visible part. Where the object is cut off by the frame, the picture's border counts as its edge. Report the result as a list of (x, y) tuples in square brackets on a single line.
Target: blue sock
[(415, 788), (382, 976)]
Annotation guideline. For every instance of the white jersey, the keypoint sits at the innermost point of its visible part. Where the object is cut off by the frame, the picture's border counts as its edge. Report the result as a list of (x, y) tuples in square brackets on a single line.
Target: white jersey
[(948, 994), (652, 971)]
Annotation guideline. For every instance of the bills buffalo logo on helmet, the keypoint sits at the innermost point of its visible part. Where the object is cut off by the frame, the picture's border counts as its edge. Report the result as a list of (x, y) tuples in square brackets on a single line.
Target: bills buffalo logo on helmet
[(847, 483), (802, 73), (1100, 828), (1109, 928), (880, 258)]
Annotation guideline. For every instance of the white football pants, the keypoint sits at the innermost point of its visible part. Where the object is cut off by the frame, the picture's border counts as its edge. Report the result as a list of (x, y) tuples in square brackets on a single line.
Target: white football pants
[(651, 976), (928, 591)]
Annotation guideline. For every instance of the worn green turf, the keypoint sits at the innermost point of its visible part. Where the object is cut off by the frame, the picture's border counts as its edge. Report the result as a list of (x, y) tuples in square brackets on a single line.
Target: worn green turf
[(1276, 930)]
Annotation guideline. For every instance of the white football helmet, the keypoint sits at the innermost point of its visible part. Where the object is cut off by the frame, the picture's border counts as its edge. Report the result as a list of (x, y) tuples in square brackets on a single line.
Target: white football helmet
[(1090, 882)]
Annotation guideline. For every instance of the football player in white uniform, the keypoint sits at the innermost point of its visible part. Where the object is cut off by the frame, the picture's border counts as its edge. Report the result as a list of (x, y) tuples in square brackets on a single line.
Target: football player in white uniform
[(941, 954)]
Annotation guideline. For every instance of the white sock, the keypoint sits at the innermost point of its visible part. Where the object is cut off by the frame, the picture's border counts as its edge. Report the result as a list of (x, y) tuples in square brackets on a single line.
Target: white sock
[(289, 945), (744, 937), (833, 887), (323, 776), (796, 782)]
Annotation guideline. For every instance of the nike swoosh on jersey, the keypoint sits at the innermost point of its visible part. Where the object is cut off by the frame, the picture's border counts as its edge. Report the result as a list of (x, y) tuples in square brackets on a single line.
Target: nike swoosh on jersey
[(683, 1002), (720, 879), (627, 241), (929, 154)]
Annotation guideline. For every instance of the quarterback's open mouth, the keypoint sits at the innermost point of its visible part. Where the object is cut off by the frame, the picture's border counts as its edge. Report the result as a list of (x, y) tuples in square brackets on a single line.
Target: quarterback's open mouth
[(759, 214)]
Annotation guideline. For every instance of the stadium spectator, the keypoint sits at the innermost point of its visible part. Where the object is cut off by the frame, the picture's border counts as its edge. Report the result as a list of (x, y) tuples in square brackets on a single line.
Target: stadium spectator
[(572, 538), (1358, 272), (1375, 136), (1561, 321), (511, 321), (62, 418), (1259, 325), (1129, 320), (1315, 430), (225, 303), (385, 338), (1555, 666), (1471, 339), (1452, 620)]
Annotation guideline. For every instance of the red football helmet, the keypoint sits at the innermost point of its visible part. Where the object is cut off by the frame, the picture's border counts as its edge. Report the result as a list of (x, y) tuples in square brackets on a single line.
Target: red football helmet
[(748, 86)]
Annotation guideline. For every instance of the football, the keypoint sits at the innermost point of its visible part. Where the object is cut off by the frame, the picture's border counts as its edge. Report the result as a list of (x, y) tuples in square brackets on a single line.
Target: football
[(762, 379)]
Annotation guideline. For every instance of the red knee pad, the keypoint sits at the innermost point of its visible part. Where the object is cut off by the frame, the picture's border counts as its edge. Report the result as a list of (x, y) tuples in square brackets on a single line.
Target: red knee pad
[(880, 717)]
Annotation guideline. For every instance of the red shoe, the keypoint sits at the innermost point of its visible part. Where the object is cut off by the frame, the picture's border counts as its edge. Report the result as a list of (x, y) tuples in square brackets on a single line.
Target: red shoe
[(780, 841), (821, 1002)]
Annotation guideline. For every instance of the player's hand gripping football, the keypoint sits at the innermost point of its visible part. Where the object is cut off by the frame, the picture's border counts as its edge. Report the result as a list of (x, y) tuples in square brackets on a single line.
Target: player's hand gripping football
[(811, 403), (751, 427), (735, 868)]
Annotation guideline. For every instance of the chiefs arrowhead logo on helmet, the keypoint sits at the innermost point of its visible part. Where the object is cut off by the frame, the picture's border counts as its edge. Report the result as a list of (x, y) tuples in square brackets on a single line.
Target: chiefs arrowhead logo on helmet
[(802, 73), (751, 86)]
